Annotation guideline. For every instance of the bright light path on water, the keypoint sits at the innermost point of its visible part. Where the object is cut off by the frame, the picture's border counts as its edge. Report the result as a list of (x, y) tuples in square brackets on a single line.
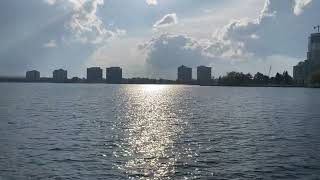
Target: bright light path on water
[(151, 127), (154, 88)]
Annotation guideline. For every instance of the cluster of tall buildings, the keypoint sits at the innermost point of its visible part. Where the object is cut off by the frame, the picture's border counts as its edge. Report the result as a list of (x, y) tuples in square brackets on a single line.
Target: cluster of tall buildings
[(58, 76), (94, 75), (113, 75), (303, 71), (203, 75)]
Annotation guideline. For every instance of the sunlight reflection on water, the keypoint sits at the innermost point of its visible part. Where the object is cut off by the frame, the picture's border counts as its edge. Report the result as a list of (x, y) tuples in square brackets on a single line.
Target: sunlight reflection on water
[(78, 131), (153, 126)]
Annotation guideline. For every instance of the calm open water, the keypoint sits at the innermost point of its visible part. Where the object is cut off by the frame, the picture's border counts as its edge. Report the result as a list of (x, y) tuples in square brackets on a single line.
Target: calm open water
[(83, 131)]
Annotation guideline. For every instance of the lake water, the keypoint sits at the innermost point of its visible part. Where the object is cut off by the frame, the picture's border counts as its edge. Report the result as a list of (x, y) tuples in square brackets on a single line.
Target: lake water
[(84, 131)]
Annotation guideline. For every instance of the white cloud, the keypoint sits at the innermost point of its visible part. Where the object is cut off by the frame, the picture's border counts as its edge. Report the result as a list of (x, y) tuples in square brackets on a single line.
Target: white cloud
[(277, 37), (112, 54), (152, 2), (167, 20), (300, 5), (269, 34), (166, 52), (84, 24), (51, 2), (50, 44), (279, 34)]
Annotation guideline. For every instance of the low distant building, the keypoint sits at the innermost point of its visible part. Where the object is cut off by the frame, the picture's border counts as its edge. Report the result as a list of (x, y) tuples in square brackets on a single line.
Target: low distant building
[(33, 75), (60, 76), (114, 75), (204, 75), (303, 71), (77, 80), (94, 75), (184, 75)]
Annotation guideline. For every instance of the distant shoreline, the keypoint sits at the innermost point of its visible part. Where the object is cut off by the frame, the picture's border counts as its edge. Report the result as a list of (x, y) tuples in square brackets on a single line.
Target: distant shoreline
[(217, 85)]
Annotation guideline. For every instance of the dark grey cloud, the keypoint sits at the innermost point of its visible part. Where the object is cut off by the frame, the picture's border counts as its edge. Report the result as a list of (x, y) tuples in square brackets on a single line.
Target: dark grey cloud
[(166, 52)]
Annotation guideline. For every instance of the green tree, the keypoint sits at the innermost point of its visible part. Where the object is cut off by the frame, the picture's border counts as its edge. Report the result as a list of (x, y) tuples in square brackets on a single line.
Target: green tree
[(278, 78), (287, 79), (260, 78)]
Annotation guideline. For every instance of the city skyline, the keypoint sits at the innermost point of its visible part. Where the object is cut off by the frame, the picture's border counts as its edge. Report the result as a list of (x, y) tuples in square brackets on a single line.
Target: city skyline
[(97, 74), (306, 73), (184, 76), (228, 35), (159, 89)]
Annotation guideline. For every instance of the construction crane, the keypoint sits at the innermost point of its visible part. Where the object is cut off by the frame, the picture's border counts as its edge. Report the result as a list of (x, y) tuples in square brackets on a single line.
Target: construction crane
[(269, 71)]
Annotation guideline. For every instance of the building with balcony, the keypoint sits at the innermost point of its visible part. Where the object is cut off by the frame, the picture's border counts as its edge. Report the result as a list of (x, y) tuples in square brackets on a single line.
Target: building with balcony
[(94, 75), (204, 75), (60, 76), (114, 75), (184, 75), (33, 75)]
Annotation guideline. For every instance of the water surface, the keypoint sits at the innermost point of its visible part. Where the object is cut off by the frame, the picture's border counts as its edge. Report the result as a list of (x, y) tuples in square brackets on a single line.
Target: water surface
[(84, 131)]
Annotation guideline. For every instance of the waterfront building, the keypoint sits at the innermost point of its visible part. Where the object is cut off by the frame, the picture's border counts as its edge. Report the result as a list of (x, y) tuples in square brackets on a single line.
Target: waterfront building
[(60, 76), (184, 74), (300, 72), (33, 75), (204, 75), (114, 75), (314, 49), (94, 74), (303, 70)]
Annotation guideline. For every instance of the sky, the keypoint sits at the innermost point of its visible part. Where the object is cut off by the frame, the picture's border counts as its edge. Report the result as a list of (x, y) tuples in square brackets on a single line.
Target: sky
[(151, 38)]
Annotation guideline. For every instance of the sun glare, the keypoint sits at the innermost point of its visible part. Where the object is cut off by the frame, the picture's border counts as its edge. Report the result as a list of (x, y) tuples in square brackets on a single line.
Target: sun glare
[(153, 88)]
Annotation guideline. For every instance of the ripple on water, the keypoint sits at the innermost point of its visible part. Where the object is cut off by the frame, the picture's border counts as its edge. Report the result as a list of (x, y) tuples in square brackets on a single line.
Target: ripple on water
[(158, 132)]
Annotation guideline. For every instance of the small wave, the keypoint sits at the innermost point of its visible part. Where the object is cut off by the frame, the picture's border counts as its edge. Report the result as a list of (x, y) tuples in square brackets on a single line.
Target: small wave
[(56, 149)]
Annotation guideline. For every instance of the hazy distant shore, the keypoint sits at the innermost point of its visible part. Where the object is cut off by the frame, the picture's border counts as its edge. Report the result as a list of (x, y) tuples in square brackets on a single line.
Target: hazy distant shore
[(171, 83)]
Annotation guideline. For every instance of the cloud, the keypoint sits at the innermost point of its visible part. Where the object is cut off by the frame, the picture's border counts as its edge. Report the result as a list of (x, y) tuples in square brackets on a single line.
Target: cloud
[(51, 2), (278, 29), (300, 5), (166, 52), (279, 34), (84, 24), (167, 20), (152, 2), (50, 44), (132, 61)]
